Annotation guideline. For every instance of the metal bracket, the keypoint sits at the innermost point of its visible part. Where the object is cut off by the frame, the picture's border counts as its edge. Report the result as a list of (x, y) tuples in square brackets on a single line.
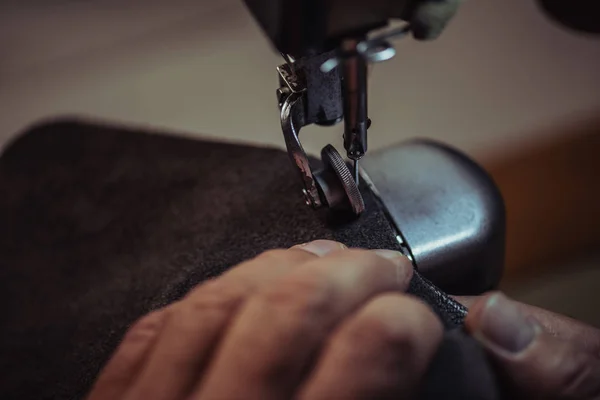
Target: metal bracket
[(332, 186), (291, 107)]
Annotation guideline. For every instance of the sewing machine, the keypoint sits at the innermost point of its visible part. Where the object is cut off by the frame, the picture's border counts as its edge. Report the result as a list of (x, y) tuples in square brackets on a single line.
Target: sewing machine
[(447, 212), (120, 222)]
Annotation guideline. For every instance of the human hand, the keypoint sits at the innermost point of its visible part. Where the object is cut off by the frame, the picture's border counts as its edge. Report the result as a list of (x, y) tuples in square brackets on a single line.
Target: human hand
[(315, 321), (538, 354)]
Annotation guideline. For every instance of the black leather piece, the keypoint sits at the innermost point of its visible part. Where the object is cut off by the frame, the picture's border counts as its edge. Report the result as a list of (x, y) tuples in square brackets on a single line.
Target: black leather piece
[(460, 371), (451, 312), (102, 224)]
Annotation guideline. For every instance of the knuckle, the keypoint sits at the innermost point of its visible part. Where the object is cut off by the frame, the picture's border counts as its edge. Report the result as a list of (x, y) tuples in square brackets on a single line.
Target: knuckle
[(375, 329), (395, 321), (363, 257), (128, 354), (145, 328), (211, 303), (282, 255), (217, 296), (359, 254), (138, 337), (305, 294)]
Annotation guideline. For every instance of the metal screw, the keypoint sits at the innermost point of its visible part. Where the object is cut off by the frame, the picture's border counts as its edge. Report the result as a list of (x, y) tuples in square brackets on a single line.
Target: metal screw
[(282, 94), (307, 198)]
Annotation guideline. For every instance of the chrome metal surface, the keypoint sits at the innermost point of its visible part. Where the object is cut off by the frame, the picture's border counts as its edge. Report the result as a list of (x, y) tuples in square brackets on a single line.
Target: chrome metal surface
[(354, 95), (373, 50), (291, 115), (446, 209)]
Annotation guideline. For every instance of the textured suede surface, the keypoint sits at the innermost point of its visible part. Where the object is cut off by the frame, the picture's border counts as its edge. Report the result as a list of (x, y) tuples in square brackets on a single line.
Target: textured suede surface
[(102, 224)]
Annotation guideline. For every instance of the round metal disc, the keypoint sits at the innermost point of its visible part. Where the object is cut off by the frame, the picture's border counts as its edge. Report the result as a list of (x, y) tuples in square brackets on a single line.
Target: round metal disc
[(333, 159)]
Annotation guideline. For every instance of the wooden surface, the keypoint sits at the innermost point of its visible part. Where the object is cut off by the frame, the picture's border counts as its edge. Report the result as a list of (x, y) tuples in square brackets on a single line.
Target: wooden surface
[(552, 195)]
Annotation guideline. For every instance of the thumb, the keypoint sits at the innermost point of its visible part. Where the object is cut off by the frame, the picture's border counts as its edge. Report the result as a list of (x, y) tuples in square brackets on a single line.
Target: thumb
[(534, 363)]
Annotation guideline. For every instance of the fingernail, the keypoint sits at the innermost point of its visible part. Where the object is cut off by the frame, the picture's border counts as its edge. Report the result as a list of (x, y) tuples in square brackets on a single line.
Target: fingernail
[(321, 247), (404, 270), (390, 254), (503, 324)]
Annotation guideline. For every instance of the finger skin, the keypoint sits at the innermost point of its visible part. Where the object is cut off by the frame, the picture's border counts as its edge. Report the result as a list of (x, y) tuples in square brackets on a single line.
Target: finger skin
[(550, 367), (275, 338), (380, 353), (557, 325), (195, 324), (321, 247), (127, 361)]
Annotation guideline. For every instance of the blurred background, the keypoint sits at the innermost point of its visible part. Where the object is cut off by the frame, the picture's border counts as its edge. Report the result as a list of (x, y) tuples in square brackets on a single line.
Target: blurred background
[(505, 84)]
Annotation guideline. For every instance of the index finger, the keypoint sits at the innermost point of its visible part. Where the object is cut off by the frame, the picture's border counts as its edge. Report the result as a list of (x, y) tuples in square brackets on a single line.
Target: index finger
[(276, 336)]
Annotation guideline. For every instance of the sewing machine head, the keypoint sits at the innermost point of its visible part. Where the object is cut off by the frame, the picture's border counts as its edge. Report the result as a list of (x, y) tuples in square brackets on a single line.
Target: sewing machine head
[(327, 46), (451, 222)]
